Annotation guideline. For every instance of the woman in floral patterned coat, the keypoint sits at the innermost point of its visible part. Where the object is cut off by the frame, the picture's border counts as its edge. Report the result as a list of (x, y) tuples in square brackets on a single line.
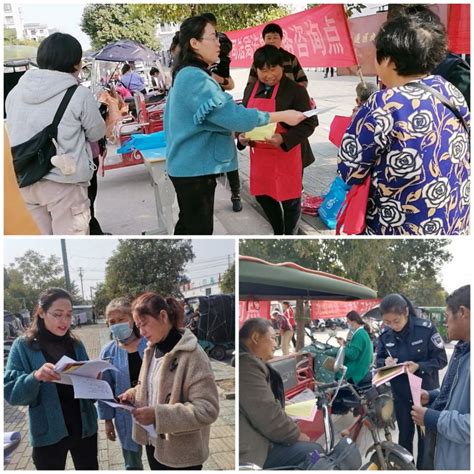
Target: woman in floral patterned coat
[(410, 145)]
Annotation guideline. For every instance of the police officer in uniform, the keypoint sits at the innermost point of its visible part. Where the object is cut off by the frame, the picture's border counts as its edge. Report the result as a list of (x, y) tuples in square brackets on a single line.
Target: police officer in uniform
[(407, 338)]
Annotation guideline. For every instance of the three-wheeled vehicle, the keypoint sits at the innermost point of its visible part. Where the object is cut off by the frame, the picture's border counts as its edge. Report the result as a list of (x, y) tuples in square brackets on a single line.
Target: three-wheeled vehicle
[(145, 111), (215, 329)]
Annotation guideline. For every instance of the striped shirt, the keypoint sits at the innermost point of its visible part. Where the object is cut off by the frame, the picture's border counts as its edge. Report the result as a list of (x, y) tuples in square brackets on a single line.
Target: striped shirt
[(291, 68)]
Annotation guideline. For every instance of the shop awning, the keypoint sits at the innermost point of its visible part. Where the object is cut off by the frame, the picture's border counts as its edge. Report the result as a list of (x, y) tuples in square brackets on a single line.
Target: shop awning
[(261, 280)]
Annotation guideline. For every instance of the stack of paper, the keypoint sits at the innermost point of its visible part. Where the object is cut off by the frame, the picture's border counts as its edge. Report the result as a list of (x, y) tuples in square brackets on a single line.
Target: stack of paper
[(83, 376), (384, 374), (259, 134)]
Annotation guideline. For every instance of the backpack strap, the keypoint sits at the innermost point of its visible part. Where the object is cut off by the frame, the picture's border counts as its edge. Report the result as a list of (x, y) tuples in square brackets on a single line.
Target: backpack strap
[(63, 105), (444, 101)]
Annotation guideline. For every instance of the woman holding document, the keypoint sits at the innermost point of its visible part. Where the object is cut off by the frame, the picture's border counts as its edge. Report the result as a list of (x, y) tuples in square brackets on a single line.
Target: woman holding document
[(58, 422), (416, 342), (199, 123), (176, 396), (277, 161), (125, 352)]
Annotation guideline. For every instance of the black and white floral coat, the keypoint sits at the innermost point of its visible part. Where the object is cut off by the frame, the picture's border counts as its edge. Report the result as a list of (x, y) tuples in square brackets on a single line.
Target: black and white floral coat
[(417, 155)]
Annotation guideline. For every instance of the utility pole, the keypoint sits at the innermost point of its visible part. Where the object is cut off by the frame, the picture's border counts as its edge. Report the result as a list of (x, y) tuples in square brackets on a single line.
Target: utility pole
[(82, 283), (66, 265)]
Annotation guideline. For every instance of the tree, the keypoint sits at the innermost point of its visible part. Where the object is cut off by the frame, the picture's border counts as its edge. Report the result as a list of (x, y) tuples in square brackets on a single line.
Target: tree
[(408, 266), (105, 23), (28, 276), (229, 16), (227, 283), (145, 265), (9, 36)]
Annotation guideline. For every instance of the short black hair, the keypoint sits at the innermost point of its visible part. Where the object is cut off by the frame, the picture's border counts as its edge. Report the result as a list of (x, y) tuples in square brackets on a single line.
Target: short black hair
[(211, 17), (59, 52), (125, 68), (397, 303), (252, 325), (174, 41), (267, 56), (154, 70), (415, 45), (272, 28), (458, 298)]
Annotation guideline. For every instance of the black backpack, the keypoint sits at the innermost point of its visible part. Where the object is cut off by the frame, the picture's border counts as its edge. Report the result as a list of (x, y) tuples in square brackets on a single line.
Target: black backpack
[(458, 72), (32, 159)]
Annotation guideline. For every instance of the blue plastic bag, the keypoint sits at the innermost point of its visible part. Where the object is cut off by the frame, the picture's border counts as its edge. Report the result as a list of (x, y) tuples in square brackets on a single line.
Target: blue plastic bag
[(333, 202), (140, 141)]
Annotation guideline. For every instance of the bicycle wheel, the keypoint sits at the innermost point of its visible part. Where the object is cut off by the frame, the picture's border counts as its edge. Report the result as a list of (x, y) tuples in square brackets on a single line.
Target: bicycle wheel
[(394, 463)]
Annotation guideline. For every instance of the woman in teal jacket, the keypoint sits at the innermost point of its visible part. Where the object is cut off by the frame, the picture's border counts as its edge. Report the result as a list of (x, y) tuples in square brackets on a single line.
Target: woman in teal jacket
[(199, 123), (58, 422)]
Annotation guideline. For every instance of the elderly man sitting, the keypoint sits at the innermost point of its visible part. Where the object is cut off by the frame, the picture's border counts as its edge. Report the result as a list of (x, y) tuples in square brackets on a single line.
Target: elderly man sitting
[(268, 436)]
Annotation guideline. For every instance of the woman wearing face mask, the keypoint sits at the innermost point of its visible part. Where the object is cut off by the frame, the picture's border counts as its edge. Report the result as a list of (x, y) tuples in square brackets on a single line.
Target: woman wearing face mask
[(199, 122), (416, 341), (125, 352), (359, 350), (176, 392), (58, 202), (58, 422)]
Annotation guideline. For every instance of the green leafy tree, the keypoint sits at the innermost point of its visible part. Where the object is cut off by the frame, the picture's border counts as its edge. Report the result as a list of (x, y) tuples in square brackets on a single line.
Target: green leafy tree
[(227, 283), (28, 276), (229, 16), (105, 23), (145, 265), (9, 35)]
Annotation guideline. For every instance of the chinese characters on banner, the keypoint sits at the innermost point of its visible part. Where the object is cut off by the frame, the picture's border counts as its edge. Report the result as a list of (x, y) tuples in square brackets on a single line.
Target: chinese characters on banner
[(339, 309), (319, 37)]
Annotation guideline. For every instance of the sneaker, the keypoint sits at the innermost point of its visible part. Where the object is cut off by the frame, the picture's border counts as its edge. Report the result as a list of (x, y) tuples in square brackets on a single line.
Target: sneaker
[(236, 203)]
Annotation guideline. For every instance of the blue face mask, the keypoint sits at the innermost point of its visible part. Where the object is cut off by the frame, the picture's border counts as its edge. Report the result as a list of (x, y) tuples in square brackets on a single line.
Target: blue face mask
[(121, 331)]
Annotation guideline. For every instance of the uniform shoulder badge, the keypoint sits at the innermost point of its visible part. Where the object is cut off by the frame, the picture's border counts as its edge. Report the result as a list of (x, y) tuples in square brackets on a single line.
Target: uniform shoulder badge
[(437, 340)]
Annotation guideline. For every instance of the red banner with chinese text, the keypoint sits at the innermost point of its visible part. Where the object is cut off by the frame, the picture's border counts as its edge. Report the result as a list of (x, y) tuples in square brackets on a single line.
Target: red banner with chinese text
[(339, 309), (318, 37), (459, 28), (253, 309)]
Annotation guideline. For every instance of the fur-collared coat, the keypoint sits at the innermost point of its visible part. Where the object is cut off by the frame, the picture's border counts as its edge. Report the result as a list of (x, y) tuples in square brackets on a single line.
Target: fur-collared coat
[(187, 403)]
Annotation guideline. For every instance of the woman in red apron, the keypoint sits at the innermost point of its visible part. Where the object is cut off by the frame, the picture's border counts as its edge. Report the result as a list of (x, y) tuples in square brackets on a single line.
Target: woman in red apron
[(276, 165)]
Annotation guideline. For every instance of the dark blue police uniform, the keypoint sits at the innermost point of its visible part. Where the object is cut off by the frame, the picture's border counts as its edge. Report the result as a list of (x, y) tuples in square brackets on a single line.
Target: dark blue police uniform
[(420, 342)]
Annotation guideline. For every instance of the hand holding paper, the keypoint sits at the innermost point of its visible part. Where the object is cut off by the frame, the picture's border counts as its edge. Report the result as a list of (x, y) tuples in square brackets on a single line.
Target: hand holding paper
[(261, 133)]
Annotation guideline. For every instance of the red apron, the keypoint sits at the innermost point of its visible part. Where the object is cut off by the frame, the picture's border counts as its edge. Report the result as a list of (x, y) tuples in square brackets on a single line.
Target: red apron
[(274, 172)]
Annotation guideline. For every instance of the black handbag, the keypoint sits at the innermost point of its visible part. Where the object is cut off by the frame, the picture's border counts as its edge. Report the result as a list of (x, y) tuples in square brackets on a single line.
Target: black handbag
[(32, 159)]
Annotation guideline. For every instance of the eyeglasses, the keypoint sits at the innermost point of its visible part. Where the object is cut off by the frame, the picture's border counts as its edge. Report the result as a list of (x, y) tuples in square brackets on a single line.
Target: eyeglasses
[(59, 316), (213, 37)]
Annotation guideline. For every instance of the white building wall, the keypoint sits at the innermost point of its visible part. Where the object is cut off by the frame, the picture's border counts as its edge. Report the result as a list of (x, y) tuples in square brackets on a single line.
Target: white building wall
[(12, 18)]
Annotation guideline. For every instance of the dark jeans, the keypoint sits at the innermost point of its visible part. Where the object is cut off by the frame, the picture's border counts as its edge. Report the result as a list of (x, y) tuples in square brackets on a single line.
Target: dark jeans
[(94, 226), (196, 204), (157, 466), (53, 457), (283, 215), (234, 181), (287, 456), (406, 430)]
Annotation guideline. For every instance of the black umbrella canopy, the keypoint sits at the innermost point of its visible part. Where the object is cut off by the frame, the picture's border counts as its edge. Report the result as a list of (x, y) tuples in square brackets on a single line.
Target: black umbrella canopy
[(262, 280), (125, 50)]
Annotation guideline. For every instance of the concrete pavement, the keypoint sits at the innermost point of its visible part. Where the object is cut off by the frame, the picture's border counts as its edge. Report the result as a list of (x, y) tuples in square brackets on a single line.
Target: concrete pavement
[(126, 205), (222, 439)]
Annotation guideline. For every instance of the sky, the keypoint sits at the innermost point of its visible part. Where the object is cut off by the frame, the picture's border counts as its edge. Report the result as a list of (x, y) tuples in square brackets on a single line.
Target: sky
[(212, 256)]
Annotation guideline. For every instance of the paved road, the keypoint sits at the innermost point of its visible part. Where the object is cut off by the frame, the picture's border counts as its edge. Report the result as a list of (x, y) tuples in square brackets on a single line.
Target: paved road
[(125, 202), (222, 440)]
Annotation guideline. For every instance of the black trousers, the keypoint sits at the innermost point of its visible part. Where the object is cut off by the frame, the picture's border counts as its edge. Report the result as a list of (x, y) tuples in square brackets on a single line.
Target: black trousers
[(53, 457), (196, 204), (234, 181), (157, 466), (94, 226), (283, 215), (406, 429)]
